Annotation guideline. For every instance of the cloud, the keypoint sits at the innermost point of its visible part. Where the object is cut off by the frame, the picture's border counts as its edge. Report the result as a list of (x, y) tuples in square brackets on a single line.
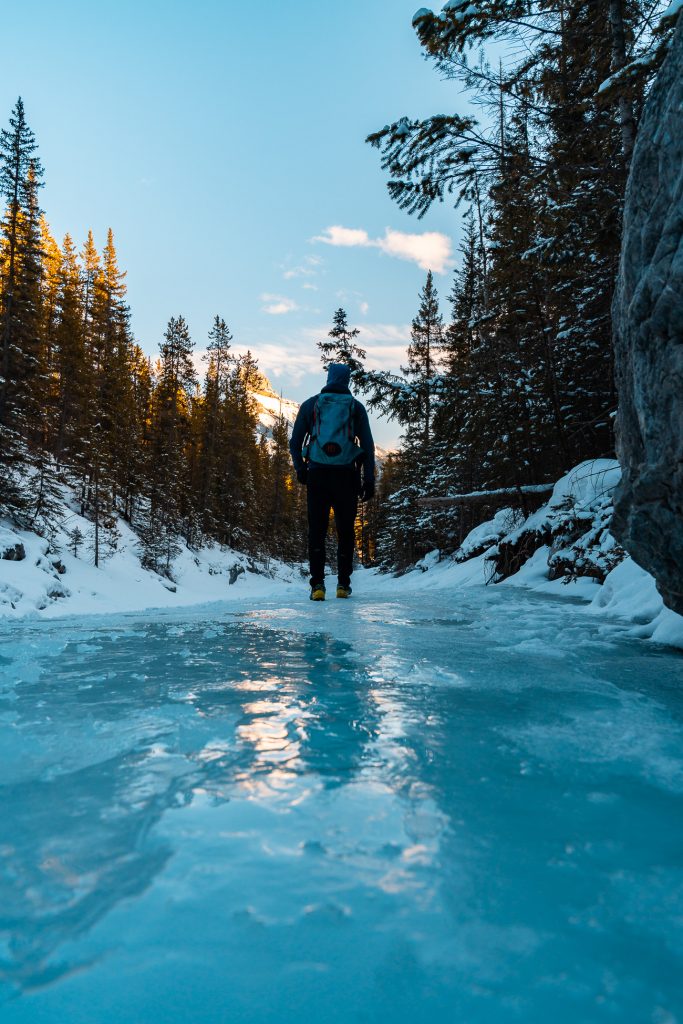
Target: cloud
[(364, 308), (309, 287), (309, 268), (289, 275), (431, 250), (276, 305), (384, 332), (385, 344), (378, 333), (337, 235), (293, 358)]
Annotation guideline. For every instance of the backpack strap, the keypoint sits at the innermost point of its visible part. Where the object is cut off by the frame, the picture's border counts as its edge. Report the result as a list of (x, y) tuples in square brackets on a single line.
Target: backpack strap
[(316, 418), (352, 417)]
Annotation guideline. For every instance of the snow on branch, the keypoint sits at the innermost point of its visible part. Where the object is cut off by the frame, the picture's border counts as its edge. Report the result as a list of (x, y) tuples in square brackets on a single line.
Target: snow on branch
[(482, 497)]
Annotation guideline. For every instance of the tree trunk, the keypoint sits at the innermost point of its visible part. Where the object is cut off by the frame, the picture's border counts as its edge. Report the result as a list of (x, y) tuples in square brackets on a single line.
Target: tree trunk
[(11, 274), (625, 108), (97, 519), (488, 497)]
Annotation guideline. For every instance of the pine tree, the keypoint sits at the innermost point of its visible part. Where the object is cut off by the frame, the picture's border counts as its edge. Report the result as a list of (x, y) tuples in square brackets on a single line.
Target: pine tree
[(91, 268), (50, 284), (282, 515), (111, 344), (140, 396), (526, 389), (73, 366), (76, 539), (20, 177), (421, 371), (170, 510), (213, 432), (32, 406), (241, 469), (29, 373), (342, 347)]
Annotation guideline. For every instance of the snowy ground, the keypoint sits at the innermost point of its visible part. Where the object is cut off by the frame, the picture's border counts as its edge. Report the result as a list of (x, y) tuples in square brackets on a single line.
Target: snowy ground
[(427, 804), (51, 580)]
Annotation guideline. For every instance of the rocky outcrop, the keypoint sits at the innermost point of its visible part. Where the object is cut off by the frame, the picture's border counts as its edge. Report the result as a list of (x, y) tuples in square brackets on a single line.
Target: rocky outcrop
[(648, 319), (13, 553), (573, 527)]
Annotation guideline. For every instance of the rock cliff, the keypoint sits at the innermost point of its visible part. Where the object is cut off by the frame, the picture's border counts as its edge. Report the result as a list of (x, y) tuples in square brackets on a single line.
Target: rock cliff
[(648, 319)]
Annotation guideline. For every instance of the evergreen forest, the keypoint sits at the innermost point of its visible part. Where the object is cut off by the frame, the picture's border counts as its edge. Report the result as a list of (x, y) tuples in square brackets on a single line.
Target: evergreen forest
[(175, 452), (508, 377)]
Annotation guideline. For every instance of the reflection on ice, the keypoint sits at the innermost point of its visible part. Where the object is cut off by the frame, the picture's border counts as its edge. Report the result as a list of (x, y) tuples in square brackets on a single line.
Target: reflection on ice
[(395, 821)]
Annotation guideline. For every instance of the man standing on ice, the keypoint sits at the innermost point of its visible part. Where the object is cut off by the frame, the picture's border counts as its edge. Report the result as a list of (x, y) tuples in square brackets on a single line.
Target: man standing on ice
[(331, 444)]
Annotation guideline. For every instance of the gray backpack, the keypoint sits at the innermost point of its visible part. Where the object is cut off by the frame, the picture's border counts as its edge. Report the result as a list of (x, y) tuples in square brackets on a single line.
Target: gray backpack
[(333, 434)]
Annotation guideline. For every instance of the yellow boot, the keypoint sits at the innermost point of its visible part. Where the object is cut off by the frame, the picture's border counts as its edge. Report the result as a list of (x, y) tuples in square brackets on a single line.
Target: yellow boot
[(343, 591), (318, 592)]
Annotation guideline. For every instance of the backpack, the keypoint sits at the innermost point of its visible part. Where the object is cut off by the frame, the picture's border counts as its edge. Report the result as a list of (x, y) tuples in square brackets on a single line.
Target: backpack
[(332, 440)]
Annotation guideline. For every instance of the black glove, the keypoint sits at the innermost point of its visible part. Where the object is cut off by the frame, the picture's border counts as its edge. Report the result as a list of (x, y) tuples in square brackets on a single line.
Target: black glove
[(302, 474), (367, 490)]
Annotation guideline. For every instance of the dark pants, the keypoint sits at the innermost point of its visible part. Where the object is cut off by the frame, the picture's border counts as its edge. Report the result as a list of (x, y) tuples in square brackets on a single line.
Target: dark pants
[(334, 488)]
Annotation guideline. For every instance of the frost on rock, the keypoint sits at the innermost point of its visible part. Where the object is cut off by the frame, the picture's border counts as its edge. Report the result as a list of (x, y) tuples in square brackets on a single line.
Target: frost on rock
[(648, 313)]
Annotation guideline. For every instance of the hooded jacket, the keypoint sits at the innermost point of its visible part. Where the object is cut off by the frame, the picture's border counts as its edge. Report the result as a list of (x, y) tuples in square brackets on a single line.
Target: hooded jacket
[(338, 380)]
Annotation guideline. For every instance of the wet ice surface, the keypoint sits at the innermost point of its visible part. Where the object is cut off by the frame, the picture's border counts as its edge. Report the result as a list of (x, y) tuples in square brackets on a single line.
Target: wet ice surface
[(452, 808)]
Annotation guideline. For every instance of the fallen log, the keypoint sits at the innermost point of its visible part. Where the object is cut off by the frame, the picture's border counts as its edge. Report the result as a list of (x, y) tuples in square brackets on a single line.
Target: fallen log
[(487, 497)]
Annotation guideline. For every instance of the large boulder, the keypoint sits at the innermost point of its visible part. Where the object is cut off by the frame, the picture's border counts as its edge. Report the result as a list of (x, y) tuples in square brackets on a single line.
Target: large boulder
[(648, 324)]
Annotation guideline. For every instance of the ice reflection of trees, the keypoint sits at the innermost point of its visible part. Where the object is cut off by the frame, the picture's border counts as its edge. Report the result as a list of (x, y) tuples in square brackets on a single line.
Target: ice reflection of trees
[(71, 849), (76, 832), (305, 720), (252, 712)]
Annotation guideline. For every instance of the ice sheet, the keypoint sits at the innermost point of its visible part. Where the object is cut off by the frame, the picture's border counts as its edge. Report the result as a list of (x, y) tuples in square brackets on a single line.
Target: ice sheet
[(412, 806)]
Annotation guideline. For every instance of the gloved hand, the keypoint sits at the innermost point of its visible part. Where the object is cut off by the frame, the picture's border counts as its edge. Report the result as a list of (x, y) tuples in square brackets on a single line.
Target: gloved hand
[(367, 490), (302, 475)]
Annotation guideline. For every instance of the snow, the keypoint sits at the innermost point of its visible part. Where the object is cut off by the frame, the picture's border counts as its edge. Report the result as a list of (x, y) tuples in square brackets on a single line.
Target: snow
[(460, 7), (628, 600), (34, 586), (489, 533), (423, 12), (270, 406), (581, 487), (630, 594), (635, 65)]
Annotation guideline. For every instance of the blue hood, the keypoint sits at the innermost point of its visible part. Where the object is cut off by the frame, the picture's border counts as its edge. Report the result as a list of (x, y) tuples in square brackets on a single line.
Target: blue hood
[(338, 376)]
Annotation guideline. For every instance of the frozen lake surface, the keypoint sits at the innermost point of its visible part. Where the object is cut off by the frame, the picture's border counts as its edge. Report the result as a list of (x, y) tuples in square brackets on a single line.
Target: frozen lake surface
[(456, 807)]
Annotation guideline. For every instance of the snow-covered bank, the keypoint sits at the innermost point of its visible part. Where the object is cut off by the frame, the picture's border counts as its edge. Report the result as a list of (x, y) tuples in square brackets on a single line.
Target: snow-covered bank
[(566, 549), (628, 598), (47, 578)]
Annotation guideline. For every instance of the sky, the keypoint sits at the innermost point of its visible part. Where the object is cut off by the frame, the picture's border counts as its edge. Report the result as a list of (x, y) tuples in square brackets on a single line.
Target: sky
[(223, 142)]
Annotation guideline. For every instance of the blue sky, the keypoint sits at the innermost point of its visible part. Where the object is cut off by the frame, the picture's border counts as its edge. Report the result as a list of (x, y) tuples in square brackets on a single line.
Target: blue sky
[(222, 141)]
